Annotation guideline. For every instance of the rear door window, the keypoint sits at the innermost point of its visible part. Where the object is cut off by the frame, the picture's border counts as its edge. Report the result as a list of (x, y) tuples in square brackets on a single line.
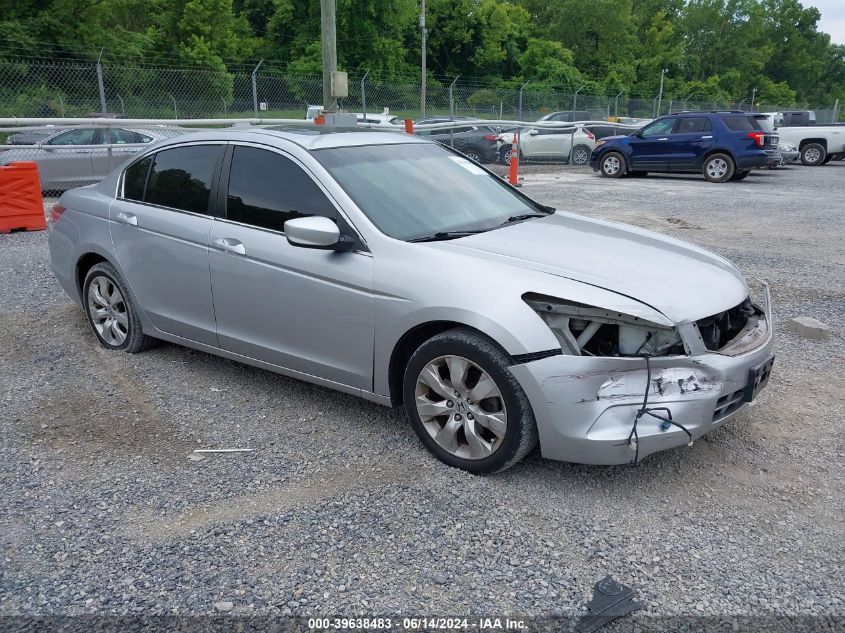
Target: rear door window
[(118, 136), (266, 189), (693, 125), (180, 178), (741, 123)]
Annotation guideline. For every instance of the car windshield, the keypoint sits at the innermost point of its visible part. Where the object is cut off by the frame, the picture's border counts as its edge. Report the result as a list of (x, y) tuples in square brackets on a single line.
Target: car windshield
[(415, 190)]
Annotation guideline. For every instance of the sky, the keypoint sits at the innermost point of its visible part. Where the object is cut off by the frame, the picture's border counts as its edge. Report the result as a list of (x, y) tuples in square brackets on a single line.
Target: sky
[(833, 18)]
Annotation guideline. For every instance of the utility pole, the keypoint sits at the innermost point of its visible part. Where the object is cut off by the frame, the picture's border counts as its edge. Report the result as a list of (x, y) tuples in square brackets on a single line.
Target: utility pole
[(753, 97), (660, 95), (327, 23), (423, 33)]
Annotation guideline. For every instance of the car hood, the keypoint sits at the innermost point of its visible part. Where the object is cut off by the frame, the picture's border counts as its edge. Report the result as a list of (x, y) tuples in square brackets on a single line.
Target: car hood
[(682, 281), (616, 137)]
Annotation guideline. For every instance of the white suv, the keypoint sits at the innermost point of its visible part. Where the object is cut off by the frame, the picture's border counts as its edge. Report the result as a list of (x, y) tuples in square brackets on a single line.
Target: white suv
[(567, 142)]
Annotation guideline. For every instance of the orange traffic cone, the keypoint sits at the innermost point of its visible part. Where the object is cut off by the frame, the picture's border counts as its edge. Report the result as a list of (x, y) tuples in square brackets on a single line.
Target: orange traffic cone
[(21, 205), (513, 175)]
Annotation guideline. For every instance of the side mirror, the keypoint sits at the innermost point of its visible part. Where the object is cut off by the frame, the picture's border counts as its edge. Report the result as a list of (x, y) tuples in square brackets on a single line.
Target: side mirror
[(533, 132), (316, 232)]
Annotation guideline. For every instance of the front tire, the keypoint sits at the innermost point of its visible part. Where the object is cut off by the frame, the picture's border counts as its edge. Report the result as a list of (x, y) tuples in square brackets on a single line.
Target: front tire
[(110, 311), (718, 168), (465, 405), (612, 165), (813, 154)]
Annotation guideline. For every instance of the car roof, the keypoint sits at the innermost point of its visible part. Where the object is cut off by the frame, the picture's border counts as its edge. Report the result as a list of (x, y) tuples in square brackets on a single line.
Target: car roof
[(309, 138)]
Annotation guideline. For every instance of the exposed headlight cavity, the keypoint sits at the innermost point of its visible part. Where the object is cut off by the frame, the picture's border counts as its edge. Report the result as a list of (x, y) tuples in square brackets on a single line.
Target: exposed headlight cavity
[(585, 330)]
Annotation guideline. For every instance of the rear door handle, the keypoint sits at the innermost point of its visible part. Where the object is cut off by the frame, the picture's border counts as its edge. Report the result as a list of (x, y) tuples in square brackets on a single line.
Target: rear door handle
[(230, 245), (663, 139), (705, 137), (127, 218)]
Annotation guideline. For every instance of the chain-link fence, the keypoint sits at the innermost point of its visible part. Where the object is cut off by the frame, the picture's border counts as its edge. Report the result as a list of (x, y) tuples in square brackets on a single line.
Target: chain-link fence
[(64, 89)]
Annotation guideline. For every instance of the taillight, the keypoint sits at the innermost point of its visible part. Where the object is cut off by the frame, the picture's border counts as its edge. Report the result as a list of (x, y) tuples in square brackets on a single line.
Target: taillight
[(56, 212), (491, 137), (590, 135), (759, 138)]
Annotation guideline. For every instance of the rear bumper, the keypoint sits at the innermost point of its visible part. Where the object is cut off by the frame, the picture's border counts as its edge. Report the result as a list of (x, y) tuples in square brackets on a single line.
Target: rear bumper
[(585, 407), (753, 160)]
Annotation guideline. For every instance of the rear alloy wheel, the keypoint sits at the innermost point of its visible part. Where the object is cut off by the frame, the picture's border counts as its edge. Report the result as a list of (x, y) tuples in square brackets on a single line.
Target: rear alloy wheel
[(110, 311), (813, 154), (472, 155), (505, 155), (741, 175), (718, 168), (581, 155), (465, 405), (612, 165)]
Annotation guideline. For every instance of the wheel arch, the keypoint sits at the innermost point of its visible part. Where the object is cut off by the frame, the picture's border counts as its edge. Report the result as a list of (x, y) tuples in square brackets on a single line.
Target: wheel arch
[(410, 341), (807, 141), (85, 263), (717, 150), (619, 150)]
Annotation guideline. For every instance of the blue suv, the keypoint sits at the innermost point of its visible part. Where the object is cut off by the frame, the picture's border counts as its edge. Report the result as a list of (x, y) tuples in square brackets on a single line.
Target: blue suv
[(721, 146)]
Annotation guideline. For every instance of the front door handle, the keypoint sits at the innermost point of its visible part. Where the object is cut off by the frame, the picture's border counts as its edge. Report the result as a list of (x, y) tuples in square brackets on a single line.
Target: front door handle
[(127, 218), (230, 245), (705, 137), (663, 139)]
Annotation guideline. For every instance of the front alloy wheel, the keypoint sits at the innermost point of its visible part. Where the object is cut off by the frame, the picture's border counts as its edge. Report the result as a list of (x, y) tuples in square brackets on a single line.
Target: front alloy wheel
[(465, 405), (461, 407), (612, 165)]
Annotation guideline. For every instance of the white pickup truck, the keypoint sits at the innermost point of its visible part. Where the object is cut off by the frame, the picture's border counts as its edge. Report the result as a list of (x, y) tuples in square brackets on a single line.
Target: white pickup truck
[(818, 144)]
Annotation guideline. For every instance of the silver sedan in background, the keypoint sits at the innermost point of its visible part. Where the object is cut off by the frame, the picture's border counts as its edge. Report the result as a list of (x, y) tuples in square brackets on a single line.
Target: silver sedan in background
[(393, 268), (67, 158)]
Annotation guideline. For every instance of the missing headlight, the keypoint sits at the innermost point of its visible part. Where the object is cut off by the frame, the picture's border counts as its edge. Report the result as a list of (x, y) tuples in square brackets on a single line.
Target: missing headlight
[(585, 330)]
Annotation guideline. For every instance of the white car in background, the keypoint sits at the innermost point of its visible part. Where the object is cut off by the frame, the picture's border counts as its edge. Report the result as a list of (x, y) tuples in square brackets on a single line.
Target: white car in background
[(564, 143)]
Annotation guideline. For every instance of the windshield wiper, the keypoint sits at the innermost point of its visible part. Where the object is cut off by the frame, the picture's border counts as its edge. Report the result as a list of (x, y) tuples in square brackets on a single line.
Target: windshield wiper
[(524, 216), (446, 235)]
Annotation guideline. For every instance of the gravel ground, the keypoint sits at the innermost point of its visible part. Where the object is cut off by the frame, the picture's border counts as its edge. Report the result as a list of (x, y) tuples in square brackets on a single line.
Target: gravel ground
[(340, 511)]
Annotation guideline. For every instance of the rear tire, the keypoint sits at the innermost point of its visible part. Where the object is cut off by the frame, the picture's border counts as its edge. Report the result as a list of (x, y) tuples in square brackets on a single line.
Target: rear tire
[(471, 153), (505, 156), (581, 155), (718, 168), (612, 165), (110, 311), (446, 411), (813, 154)]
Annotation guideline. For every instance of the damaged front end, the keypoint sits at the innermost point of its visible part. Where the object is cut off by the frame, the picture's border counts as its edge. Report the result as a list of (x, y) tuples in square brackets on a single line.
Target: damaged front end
[(624, 387)]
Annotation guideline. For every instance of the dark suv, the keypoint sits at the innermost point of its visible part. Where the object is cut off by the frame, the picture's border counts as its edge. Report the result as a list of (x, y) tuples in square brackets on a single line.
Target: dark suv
[(477, 142), (721, 145)]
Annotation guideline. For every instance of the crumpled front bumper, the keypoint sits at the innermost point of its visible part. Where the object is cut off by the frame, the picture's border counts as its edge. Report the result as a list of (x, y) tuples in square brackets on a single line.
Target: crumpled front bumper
[(585, 406)]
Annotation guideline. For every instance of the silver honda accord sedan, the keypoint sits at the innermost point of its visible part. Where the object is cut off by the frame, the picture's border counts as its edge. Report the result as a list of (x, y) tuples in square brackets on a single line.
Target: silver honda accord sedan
[(395, 269)]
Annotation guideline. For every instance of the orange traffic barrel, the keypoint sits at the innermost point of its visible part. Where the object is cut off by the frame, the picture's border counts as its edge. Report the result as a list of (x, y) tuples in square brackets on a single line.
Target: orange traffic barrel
[(21, 205)]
